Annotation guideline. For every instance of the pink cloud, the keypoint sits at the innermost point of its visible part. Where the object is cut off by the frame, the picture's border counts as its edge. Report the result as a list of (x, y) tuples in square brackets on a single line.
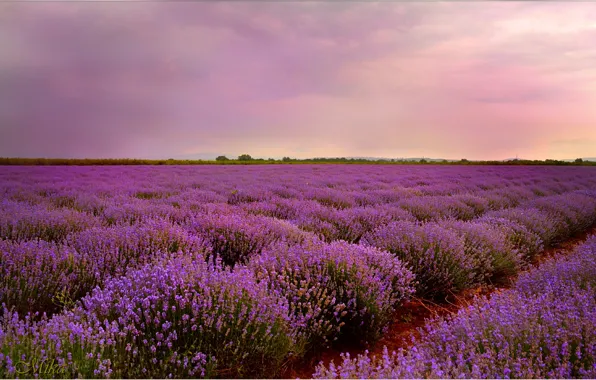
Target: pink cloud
[(481, 80)]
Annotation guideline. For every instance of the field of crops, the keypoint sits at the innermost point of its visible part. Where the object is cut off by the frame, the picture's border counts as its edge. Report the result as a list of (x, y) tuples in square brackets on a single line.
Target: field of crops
[(543, 327), (202, 271)]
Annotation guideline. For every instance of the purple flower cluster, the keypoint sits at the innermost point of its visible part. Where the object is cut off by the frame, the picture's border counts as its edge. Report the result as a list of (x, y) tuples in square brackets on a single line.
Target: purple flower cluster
[(494, 256), (37, 275), (574, 211), (330, 197), (235, 237), (433, 208), (280, 208), (40, 276), (113, 250), (542, 328), (179, 317), (579, 270), (336, 289), (436, 255), (125, 210), (553, 218), (348, 224), (22, 221), (527, 243), (231, 271)]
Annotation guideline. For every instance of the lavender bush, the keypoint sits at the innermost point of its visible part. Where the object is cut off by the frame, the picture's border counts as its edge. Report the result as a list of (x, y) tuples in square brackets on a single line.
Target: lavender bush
[(576, 212), (22, 221), (435, 255), (525, 242), (151, 243), (433, 208), (235, 237), (348, 224), (113, 250), (535, 220), (579, 270), (542, 328), (336, 289), (178, 318), (554, 218), (493, 255), (39, 276)]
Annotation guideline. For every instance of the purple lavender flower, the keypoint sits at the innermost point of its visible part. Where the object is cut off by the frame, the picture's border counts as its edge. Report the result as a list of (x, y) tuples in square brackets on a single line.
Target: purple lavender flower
[(435, 255), (541, 328), (336, 289)]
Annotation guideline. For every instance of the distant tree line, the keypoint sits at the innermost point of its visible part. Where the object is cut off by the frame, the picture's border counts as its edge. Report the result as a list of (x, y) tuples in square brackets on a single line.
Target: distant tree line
[(246, 159)]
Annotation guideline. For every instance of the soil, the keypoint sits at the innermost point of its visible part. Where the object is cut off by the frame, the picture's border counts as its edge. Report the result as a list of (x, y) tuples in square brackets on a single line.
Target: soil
[(413, 315)]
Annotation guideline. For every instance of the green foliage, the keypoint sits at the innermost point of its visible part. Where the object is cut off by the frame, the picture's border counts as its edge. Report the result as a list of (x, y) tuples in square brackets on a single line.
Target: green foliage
[(245, 157), (147, 195)]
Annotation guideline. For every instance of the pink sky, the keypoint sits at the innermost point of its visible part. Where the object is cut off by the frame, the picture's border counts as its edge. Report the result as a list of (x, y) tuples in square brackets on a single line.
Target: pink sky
[(480, 80)]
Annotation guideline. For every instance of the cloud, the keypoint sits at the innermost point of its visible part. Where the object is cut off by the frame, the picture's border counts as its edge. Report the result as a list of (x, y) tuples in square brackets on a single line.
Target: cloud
[(160, 79)]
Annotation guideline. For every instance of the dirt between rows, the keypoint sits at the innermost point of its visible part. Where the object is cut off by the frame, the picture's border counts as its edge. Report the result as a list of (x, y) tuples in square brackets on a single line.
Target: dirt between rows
[(413, 315)]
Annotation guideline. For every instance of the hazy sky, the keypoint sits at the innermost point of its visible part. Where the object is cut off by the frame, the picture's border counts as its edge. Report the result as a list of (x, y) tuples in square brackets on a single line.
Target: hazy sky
[(480, 80)]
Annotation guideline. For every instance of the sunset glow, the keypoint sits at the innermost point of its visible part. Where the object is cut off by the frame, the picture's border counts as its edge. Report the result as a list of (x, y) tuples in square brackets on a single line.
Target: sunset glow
[(480, 80)]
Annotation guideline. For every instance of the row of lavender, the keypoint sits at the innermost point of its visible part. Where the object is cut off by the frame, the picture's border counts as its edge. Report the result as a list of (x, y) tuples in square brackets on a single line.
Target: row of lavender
[(167, 301), (82, 244), (50, 203), (541, 328), (122, 194)]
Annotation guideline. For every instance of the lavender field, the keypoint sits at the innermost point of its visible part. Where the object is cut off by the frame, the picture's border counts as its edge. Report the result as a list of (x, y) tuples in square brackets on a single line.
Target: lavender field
[(541, 328), (241, 272)]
